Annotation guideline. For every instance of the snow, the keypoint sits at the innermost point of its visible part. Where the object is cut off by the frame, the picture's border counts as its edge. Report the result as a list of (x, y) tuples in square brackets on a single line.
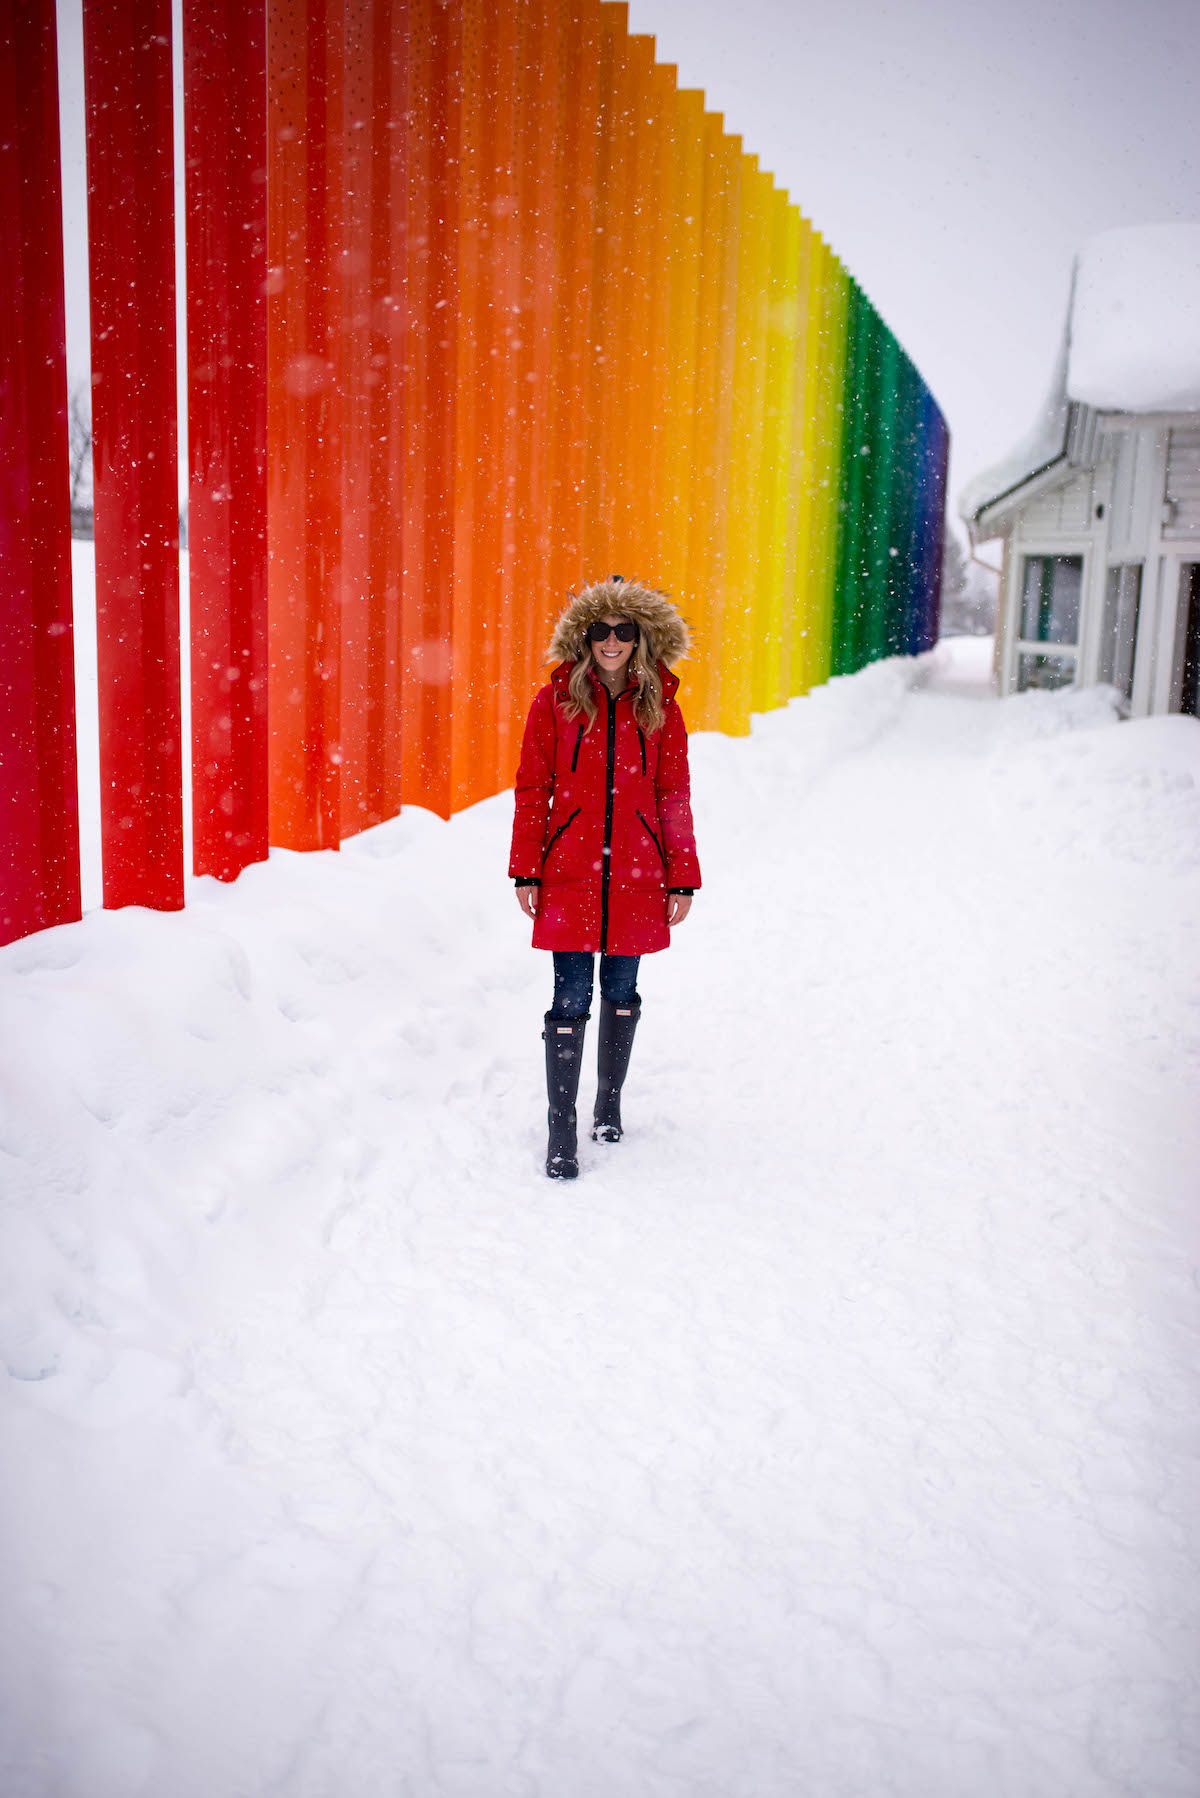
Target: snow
[(87, 715), (834, 1434), (87, 719), (1135, 323)]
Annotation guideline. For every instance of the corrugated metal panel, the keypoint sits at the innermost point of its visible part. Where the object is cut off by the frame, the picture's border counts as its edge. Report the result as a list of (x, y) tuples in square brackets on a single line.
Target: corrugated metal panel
[(1183, 482)]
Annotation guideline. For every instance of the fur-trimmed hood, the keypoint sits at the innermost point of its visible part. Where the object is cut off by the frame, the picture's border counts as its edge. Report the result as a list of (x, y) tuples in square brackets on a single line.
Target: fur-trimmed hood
[(665, 632)]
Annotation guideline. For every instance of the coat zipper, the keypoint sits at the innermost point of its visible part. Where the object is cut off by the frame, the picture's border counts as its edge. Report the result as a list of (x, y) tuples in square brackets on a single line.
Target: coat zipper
[(579, 740), (558, 833), (608, 820)]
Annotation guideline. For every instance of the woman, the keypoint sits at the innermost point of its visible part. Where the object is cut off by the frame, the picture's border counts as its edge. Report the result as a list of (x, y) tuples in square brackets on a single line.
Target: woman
[(603, 853)]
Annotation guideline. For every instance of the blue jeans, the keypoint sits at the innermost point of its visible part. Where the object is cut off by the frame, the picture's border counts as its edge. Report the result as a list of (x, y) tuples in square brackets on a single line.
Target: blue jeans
[(573, 981)]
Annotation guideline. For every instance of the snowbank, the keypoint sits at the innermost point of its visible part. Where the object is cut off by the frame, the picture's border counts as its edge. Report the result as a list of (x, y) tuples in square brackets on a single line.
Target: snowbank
[(835, 1434)]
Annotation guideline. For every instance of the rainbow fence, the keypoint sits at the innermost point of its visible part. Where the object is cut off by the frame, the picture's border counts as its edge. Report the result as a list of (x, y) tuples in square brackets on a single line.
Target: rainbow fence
[(479, 303)]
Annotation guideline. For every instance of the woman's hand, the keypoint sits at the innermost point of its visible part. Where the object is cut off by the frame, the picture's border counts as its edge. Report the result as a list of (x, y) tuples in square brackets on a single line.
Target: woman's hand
[(527, 899), (678, 907)]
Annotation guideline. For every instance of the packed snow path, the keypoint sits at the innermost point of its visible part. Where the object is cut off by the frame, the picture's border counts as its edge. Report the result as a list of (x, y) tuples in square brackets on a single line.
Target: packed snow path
[(834, 1436)]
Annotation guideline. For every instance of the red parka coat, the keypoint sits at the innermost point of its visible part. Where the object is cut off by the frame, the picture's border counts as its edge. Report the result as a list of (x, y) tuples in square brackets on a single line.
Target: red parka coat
[(603, 820)]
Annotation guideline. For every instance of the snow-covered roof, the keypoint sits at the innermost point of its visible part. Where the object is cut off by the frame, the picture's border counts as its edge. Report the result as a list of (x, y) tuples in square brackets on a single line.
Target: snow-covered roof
[(1135, 321), (1131, 344), (1043, 444)]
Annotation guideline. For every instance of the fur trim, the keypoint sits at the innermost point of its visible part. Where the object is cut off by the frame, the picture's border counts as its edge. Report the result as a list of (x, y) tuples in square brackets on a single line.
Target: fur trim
[(665, 632)]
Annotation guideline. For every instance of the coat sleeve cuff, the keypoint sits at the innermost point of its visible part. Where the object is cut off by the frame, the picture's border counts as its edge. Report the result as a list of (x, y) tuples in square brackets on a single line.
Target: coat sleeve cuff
[(684, 892), (525, 880)]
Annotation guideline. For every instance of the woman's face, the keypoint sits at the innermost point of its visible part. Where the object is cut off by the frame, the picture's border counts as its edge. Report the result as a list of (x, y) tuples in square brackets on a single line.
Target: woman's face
[(611, 654)]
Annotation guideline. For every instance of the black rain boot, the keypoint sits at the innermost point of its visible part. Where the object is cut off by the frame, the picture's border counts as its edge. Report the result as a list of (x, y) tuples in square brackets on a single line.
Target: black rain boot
[(617, 1026), (563, 1038)]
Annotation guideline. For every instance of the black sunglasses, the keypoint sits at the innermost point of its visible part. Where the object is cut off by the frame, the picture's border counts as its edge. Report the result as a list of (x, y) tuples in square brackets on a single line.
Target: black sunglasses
[(625, 632)]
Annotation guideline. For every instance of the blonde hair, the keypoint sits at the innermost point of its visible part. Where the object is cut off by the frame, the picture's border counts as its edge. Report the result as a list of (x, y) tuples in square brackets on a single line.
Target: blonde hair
[(648, 700)]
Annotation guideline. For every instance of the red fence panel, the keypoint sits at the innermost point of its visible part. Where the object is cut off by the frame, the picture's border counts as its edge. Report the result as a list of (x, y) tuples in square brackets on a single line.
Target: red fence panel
[(131, 231), (224, 74), (39, 812)]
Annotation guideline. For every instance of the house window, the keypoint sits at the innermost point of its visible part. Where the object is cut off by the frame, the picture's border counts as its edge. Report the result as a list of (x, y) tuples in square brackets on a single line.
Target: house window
[(1122, 596), (1044, 671), (1050, 599), (1051, 591)]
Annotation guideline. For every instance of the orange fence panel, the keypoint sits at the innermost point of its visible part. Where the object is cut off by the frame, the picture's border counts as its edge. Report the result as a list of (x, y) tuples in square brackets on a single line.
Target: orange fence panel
[(476, 588), (304, 489), (682, 435), (642, 269), (579, 76), (349, 264), (435, 85), (387, 281), (708, 546), (539, 124)]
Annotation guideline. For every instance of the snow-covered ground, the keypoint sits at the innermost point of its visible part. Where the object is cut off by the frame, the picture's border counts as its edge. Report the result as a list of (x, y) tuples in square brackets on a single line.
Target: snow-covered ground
[(834, 1436)]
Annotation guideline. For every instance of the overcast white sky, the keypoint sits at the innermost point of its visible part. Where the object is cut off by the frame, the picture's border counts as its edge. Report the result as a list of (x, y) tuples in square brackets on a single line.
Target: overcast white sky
[(954, 156)]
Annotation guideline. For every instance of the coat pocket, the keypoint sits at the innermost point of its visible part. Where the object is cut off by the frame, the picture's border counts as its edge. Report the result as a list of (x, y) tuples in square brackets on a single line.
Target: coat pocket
[(558, 833), (662, 858)]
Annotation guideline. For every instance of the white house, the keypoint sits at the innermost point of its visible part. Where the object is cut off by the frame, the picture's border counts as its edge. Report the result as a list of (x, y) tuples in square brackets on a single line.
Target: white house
[(1099, 508)]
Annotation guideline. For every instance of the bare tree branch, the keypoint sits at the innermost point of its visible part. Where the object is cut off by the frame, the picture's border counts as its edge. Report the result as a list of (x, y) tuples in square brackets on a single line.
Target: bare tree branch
[(79, 433)]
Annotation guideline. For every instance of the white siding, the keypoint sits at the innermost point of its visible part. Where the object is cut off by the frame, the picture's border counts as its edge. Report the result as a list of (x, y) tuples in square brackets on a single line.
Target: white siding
[(1134, 467), (1183, 482), (1065, 512)]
